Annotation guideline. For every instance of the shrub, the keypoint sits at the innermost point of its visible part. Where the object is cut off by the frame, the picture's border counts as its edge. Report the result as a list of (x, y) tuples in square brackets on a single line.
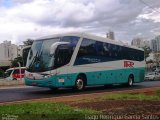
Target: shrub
[(1, 73)]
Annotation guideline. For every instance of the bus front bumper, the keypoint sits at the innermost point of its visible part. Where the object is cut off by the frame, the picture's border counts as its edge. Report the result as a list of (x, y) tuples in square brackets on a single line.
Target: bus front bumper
[(40, 83)]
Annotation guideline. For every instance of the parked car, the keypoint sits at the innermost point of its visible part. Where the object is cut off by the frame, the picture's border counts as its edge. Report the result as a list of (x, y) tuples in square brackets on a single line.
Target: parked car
[(16, 73), (152, 76)]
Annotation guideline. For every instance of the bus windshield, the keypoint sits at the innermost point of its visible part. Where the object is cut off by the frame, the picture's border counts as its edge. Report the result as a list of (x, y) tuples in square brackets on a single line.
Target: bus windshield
[(39, 58)]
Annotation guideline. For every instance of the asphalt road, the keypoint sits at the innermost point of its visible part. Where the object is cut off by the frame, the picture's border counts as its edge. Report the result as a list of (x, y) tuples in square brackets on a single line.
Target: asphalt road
[(17, 94)]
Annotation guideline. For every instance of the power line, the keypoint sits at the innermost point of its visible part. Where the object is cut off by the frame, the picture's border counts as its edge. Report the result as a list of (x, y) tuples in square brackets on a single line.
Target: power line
[(149, 6)]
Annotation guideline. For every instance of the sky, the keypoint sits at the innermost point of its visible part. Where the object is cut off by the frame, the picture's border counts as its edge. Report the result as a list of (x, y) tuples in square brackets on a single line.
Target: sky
[(23, 19)]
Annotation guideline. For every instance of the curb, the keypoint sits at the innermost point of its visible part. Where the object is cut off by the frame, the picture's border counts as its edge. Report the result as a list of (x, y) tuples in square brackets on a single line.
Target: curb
[(12, 87)]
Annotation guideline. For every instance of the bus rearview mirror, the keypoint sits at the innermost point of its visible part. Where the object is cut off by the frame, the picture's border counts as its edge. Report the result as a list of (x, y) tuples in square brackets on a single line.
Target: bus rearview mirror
[(55, 45)]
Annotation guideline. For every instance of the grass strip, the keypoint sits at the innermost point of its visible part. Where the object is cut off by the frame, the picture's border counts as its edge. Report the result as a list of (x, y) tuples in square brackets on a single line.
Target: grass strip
[(43, 111), (132, 96)]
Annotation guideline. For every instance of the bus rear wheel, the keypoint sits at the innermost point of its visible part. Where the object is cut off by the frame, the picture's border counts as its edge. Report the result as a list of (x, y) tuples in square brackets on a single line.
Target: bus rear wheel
[(130, 80), (80, 84)]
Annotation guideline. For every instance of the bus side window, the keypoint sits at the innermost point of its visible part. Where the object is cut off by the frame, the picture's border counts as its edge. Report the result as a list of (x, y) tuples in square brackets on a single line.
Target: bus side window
[(105, 49), (87, 48), (119, 52)]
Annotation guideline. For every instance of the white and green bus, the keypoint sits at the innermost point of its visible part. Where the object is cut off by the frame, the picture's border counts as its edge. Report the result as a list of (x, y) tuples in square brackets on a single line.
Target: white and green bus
[(80, 59)]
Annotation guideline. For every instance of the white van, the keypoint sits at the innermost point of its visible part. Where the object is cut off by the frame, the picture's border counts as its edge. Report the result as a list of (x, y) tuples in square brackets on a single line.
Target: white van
[(16, 73)]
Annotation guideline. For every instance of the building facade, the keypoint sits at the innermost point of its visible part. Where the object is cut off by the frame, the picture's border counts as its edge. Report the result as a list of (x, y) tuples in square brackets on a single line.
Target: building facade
[(155, 44), (8, 52), (140, 42), (110, 35)]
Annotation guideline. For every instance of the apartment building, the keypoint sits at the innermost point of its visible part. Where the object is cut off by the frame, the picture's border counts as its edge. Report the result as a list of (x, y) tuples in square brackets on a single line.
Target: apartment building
[(155, 44), (8, 52), (140, 42)]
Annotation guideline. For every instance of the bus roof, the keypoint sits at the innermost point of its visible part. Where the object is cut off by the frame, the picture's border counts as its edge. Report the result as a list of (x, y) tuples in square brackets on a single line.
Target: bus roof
[(89, 36)]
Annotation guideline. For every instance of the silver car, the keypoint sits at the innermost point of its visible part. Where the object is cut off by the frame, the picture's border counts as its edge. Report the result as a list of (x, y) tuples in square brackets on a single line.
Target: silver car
[(152, 76)]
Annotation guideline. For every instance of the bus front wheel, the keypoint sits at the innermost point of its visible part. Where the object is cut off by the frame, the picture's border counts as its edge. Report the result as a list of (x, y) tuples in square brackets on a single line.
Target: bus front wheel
[(80, 84), (54, 89)]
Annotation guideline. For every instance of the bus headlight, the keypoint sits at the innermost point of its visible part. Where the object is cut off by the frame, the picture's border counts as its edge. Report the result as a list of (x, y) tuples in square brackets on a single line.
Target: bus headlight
[(46, 76)]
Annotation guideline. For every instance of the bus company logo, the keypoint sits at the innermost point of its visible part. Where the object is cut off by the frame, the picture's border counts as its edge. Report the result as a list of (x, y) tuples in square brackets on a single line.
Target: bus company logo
[(128, 64)]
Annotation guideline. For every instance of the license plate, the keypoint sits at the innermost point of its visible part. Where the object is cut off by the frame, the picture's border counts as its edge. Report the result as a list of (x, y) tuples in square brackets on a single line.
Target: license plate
[(34, 83), (61, 80)]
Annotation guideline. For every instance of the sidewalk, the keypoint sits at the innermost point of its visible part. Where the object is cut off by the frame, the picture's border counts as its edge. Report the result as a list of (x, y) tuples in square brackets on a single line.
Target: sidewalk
[(5, 84)]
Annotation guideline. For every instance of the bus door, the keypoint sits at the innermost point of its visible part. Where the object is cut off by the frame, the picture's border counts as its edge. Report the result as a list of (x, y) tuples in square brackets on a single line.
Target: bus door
[(63, 55)]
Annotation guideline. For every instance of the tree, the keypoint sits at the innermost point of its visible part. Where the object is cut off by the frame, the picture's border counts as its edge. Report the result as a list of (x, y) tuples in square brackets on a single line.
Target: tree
[(157, 58), (14, 63), (28, 42), (1, 73), (147, 50), (149, 61), (22, 59), (26, 50)]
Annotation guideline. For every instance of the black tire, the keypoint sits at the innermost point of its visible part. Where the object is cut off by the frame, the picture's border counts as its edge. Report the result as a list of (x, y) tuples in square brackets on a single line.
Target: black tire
[(130, 81), (54, 89), (14, 79), (108, 86), (80, 83)]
